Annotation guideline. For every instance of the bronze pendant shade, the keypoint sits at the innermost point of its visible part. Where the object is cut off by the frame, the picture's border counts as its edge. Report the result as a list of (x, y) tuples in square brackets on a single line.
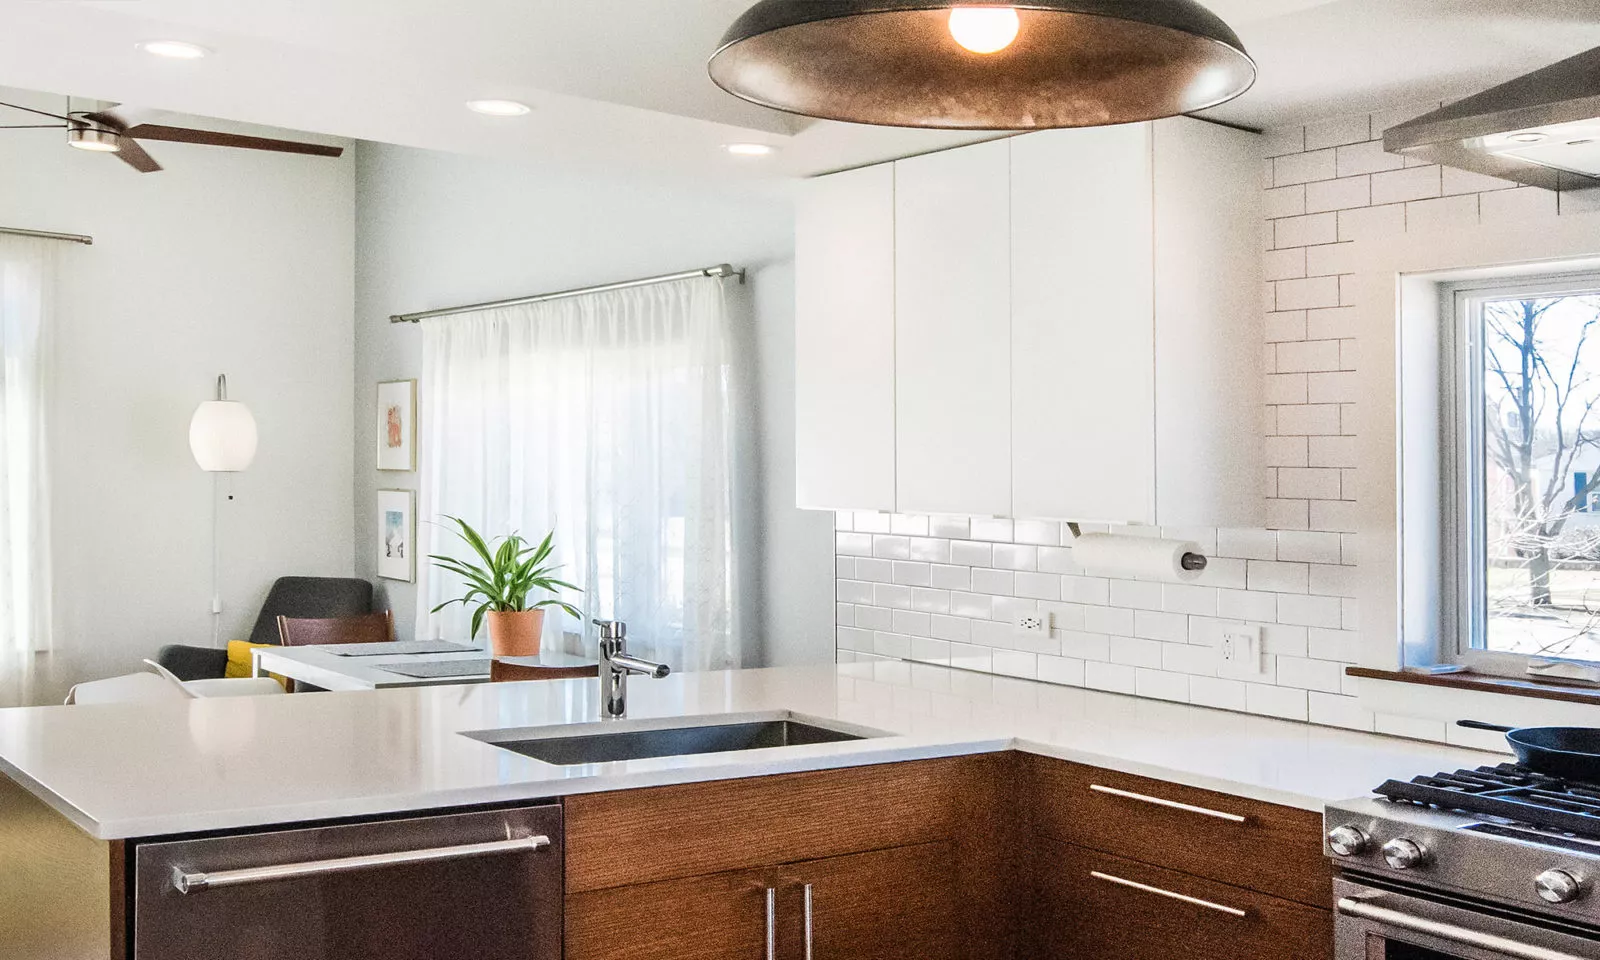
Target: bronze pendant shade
[(1067, 63)]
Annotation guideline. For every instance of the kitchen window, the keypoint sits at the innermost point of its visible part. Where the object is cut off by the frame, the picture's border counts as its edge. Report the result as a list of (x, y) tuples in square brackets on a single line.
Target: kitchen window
[(1522, 501)]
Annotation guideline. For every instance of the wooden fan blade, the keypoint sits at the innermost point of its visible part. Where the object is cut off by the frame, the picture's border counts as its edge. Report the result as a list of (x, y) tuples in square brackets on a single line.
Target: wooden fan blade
[(156, 131), (42, 113), (134, 156)]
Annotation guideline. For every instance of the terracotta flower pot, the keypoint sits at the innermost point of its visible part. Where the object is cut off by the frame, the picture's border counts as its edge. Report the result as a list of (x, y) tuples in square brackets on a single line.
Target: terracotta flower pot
[(515, 633)]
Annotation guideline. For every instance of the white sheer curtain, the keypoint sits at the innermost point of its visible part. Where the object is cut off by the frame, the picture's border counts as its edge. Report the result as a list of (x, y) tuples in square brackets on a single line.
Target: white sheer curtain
[(606, 418), (27, 285)]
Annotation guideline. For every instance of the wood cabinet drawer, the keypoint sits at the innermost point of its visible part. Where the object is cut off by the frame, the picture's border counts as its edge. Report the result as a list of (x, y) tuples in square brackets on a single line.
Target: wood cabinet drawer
[(661, 833), (1261, 846), (1092, 904)]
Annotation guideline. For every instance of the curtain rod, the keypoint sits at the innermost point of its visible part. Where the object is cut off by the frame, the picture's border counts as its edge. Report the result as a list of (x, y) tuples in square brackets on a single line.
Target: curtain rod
[(720, 270), (47, 235)]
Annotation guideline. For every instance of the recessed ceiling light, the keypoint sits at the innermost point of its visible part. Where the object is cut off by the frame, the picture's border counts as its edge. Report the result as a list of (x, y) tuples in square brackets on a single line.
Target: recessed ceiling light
[(1532, 136), (174, 49), (749, 149), (498, 108)]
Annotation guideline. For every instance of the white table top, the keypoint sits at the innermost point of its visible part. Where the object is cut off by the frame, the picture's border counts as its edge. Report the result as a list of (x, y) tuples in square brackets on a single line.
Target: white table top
[(135, 770), (321, 666)]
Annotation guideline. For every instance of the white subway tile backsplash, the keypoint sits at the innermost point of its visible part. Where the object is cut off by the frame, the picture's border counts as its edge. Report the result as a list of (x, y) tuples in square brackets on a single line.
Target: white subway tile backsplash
[(989, 528), (1341, 194), (958, 629), (1303, 167), (947, 577), (891, 595), (1287, 201), (891, 548), (1161, 685), (1158, 625), (1371, 223), (975, 605), (998, 583), (1046, 533), (1247, 605), (1063, 670), (1520, 205), (1136, 652), (878, 571), (1136, 594), (873, 618), (911, 573), (930, 601), (1113, 677), (1304, 231), (1109, 620), (1189, 599), (928, 549), (853, 544), (1309, 611), (967, 553), (867, 521), (1273, 701), (1358, 158), (1039, 586), (1336, 131), (1277, 576), (1441, 214), (949, 527), (1412, 183), (1057, 560), (1016, 556)]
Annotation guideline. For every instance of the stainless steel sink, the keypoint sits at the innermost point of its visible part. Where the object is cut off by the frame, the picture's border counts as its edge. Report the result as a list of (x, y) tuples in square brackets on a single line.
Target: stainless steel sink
[(674, 741)]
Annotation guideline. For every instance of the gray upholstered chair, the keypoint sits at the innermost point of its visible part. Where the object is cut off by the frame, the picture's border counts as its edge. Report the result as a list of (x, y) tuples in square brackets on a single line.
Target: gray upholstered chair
[(294, 597)]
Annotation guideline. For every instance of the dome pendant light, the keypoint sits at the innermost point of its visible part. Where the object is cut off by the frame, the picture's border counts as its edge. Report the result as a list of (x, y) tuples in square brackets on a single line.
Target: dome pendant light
[(983, 66)]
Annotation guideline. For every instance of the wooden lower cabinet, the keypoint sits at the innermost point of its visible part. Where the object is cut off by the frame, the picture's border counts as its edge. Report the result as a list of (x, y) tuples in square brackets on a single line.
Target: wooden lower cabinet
[(1088, 909), (895, 904)]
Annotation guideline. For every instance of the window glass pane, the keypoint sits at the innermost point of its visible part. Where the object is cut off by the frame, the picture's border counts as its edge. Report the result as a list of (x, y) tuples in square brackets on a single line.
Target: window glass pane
[(1541, 468)]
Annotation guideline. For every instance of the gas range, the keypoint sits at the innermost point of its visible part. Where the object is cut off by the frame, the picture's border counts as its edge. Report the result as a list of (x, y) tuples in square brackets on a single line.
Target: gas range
[(1498, 857), (1502, 833)]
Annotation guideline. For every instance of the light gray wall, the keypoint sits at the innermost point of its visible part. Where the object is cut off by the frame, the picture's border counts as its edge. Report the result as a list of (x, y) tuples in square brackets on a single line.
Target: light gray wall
[(436, 230), (229, 261)]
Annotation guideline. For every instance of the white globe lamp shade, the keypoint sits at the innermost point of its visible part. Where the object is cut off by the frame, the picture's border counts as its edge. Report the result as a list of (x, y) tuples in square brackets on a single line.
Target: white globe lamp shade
[(222, 435)]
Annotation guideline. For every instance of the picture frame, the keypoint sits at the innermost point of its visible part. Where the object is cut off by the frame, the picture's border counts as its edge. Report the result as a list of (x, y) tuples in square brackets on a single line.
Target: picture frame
[(397, 425), (397, 535)]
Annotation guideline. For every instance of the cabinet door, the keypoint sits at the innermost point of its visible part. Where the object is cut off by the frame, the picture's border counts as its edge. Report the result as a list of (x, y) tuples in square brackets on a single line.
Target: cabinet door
[(1210, 408), (717, 917), (1095, 905), (1083, 349), (953, 332), (844, 341), (896, 904)]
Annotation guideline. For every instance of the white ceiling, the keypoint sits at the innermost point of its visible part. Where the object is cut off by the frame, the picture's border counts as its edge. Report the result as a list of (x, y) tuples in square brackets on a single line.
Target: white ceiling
[(622, 84)]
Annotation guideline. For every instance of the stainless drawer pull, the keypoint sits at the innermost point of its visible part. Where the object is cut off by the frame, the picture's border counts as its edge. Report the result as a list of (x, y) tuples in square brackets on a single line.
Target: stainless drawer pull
[(1108, 878), (1171, 804), (807, 892), (772, 924), (195, 882), (1449, 931)]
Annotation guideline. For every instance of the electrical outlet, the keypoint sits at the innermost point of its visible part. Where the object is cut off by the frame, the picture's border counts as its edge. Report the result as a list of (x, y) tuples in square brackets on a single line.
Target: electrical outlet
[(1034, 623), (1239, 652)]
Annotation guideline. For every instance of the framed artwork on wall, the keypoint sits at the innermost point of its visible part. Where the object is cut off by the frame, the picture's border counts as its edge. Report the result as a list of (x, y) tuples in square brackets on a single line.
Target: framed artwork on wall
[(397, 529), (397, 425)]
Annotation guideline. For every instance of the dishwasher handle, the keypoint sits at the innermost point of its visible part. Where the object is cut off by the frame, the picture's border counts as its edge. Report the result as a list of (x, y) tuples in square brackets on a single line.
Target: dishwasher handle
[(186, 882)]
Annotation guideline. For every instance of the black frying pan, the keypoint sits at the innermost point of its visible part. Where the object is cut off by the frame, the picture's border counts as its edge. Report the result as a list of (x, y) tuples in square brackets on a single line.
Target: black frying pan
[(1569, 752)]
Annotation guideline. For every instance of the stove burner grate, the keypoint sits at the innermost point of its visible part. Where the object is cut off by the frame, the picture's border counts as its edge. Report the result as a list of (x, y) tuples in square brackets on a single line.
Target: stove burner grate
[(1510, 792)]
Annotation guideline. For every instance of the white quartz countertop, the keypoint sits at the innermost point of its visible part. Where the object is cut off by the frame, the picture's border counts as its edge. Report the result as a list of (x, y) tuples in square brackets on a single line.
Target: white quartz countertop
[(122, 771)]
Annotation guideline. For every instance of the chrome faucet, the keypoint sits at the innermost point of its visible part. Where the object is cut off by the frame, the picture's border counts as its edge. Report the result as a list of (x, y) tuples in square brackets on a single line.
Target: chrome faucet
[(615, 665)]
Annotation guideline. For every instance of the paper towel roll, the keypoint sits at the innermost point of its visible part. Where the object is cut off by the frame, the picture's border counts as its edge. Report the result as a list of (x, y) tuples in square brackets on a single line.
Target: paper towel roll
[(1119, 555)]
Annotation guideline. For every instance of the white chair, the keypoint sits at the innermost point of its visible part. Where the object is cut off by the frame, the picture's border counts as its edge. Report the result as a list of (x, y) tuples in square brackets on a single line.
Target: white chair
[(163, 685)]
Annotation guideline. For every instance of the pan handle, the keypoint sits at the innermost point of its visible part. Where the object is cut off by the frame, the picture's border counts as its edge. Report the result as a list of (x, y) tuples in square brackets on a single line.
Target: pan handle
[(1480, 725)]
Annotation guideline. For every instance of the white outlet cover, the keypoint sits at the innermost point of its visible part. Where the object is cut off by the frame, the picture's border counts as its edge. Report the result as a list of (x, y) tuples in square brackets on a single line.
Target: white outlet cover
[(1239, 652), (1034, 623)]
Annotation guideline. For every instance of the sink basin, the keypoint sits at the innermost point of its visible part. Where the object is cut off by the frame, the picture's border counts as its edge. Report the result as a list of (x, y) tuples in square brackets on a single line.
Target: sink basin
[(674, 742)]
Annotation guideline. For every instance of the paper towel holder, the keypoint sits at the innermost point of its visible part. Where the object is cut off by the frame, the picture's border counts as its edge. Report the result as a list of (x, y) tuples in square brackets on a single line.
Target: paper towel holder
[(1189, 561)]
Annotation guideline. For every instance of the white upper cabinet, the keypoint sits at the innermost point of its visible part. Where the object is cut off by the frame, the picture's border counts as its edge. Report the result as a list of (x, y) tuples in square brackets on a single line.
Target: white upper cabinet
[(953, 332), (1083, 324), (1065, 325), (844, 341), (1210, 408)]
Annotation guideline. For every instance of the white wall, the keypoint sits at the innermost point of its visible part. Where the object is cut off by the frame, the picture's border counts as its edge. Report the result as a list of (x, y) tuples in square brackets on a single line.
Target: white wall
[(946, 591), (438, 230), (228, 261)]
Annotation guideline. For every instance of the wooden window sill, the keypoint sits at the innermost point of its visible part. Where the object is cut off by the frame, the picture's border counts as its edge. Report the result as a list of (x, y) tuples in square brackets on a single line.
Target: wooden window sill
[(1485, 683)]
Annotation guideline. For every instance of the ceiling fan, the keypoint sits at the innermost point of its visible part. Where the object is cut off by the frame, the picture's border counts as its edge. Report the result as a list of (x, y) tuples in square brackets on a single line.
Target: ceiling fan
[(118, 130)]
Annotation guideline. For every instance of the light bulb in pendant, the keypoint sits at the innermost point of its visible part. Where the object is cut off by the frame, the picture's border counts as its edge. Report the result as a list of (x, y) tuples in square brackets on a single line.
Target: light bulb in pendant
[(984, 29)]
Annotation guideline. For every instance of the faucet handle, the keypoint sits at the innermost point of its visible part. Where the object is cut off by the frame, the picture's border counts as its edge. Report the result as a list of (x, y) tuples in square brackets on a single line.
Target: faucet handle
[(612, 629)]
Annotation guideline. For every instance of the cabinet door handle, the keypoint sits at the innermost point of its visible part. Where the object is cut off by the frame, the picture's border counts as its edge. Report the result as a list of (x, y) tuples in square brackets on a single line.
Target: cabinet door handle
[(195, 882), (1170, 804), (807, 894), (1170, 895), (772, 924)]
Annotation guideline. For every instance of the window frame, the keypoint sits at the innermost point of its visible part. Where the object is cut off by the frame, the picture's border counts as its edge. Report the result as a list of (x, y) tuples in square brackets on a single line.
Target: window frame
[(1462, 452)]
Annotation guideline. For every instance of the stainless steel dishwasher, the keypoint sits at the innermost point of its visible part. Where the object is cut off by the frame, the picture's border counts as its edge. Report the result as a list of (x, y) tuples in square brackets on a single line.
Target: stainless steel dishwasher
[(485, 885)]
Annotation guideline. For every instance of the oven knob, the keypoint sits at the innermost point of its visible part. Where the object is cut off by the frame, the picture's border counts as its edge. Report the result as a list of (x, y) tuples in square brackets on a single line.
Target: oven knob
[(1403, 854), (1347, 841), (1557, 886)]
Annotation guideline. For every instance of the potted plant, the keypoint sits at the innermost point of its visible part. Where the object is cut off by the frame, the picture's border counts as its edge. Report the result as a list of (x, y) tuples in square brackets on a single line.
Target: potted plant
[(500, 581)]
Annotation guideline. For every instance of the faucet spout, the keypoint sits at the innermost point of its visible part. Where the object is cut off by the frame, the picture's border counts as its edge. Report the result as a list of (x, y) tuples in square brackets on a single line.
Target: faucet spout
[(616, 665)]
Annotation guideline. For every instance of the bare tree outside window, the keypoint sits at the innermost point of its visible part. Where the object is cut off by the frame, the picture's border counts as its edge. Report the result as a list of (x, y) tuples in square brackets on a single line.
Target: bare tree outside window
[(1541, 497)]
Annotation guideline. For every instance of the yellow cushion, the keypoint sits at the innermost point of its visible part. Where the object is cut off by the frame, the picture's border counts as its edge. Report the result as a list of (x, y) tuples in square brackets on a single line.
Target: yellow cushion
[(239, 659)]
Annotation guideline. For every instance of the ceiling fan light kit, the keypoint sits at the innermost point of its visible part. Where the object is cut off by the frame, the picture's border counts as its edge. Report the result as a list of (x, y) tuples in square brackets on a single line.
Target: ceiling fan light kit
[(966, 66), (93, 139)]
